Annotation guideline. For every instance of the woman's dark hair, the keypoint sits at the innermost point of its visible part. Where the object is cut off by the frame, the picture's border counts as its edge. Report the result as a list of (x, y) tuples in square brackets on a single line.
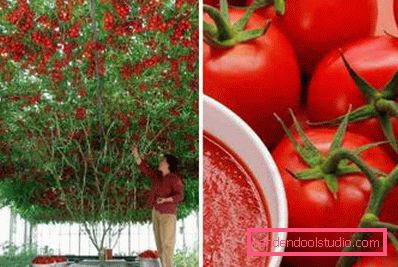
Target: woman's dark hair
[(172, 161)]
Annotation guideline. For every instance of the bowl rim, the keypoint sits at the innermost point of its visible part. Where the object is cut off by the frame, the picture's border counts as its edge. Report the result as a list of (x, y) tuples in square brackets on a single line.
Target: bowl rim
[(282, 216)]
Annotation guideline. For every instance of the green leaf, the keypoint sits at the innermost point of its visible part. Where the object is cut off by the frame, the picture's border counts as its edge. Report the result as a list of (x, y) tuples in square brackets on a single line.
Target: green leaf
[(280, 7), (224, 9), (338, 138), (363, 148), (209, 30), (391, 89), (253, 34), (225, 31), (368, 91), (332, 184), (359, 114), (240, 25), (308, 174), (309, 151)]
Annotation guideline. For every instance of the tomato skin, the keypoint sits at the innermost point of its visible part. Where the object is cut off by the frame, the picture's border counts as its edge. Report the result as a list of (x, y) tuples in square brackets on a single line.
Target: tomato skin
[(391, 260), (211, 2), (230, 2), (310, 203), (315, 27), (254, 79), (331, 89)]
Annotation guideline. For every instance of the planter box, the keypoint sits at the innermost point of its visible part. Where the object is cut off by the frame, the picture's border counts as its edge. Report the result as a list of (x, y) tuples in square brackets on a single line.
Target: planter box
[(144, 262)]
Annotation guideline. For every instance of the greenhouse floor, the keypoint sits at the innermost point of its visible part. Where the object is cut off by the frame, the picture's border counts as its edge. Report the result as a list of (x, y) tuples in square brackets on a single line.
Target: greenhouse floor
[(83, 261)]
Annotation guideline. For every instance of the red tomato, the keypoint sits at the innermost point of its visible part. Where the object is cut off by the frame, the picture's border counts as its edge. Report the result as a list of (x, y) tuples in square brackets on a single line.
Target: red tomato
[(332, 90), (315, 27), (255, 78), (312, 205), (211, 2), (230, 2), (153, 254), (43, 260), (391, 260)]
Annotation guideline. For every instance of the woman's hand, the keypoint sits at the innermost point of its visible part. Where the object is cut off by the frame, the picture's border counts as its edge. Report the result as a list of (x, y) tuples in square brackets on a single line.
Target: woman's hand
[(162, 200), (136, 154)]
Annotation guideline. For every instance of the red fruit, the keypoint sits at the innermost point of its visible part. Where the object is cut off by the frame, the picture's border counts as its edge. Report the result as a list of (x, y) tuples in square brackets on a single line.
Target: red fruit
[(311, 203), (230, 2), (314, 27), (75, 31), (63, 15), (3, 4), (82, 93), (332, 90), (35, 99), (80, 113), (254, 78), (149, 254), (15, 98), (109, 22), (122, 9)]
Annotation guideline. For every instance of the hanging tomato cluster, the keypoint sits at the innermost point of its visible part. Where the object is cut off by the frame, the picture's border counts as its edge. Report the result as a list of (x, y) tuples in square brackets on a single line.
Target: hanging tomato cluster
[(80, 82)]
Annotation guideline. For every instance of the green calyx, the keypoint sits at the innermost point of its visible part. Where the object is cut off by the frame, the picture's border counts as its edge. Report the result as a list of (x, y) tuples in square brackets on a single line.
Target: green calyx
[(320, 166), (225, 34), (381, 105)]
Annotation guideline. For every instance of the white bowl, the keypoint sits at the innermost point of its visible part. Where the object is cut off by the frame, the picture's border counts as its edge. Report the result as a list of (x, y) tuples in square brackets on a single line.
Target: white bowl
[(226, 126)]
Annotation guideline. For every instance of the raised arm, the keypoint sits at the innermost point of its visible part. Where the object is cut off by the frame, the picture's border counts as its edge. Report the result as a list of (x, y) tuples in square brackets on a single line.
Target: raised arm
[(143, 166)]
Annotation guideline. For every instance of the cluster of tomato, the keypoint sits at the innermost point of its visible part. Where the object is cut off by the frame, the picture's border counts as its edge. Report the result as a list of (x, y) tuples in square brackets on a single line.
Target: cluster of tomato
[(47, 34), (318, 58), (149, 254), (43, 260)]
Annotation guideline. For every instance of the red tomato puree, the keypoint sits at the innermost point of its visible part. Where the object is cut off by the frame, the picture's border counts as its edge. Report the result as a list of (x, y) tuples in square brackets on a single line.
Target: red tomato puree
[(233, 202)]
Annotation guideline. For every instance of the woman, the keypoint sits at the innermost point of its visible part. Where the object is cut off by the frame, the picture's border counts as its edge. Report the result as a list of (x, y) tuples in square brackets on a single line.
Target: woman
[(167, 192)]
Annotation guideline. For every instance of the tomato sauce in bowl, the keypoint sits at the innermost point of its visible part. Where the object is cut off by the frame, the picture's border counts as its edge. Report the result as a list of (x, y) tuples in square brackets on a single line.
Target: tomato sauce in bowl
[(233, 202)]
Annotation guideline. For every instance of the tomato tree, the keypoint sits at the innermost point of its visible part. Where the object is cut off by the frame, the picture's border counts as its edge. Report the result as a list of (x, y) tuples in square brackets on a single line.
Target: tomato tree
[(80, 81)]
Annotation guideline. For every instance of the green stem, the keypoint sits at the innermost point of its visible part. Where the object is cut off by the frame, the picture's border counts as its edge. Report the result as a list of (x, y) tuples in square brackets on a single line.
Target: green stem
[(394, 241), (332, 162), (394, 177), (387, 106), (100, 84), (390, 227)]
